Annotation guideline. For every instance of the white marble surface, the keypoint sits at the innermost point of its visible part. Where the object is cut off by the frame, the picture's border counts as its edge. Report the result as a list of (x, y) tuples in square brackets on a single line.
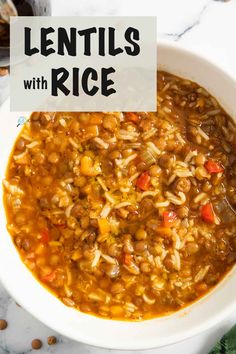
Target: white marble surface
[(208, 25)]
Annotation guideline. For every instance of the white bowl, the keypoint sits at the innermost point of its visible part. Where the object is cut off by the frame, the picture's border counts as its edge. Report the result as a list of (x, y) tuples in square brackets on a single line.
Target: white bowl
[(107, 333)]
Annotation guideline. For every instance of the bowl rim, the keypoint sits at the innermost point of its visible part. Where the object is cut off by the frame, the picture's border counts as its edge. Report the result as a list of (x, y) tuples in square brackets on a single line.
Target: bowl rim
[(112, 343)]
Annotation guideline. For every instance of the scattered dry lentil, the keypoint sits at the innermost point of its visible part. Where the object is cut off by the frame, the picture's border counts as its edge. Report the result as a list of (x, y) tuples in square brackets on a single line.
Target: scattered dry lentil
[(3, 324), (36, 344), (51, 340)]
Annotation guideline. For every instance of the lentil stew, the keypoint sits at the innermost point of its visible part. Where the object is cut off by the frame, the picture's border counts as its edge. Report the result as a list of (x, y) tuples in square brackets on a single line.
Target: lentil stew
[(127, 215)]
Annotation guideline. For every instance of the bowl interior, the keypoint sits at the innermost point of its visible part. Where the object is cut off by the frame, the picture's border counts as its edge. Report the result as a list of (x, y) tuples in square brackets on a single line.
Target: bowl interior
[(100, 332)]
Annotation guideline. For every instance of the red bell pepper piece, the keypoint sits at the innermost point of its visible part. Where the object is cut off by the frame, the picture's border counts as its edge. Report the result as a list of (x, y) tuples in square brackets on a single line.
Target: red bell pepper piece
[(168, 218), (207, 213), (44, 236), (143, 182), (132, 117), (213, 166)]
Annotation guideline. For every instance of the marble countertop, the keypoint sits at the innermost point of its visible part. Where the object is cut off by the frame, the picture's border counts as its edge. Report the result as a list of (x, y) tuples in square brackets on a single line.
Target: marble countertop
[(208, 25)]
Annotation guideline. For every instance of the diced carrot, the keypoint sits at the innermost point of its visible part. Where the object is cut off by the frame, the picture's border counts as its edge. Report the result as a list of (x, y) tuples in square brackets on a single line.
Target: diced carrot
[(132, 117), (49, 277), (143, 182), (77, 254), (213, 166), (88, 167), (128, 258), (104, 226), (207, 213), (200, 103), (30, 255), (45, 236), (90, 131), (95, 119), (166, 231), (40, 248), (169, 218)]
